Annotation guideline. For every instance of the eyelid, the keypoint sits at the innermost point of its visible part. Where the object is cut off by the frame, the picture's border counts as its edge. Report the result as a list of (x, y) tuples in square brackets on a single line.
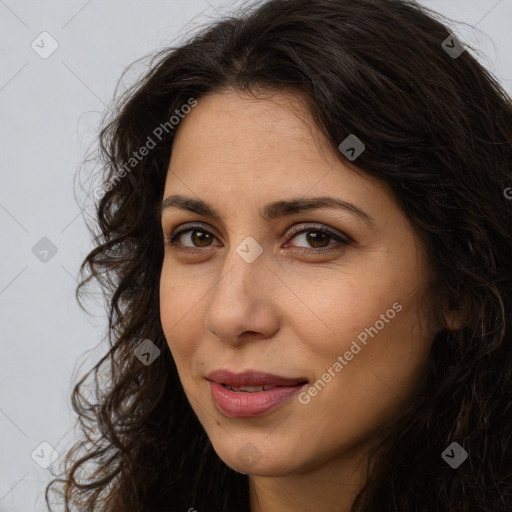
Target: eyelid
[(334, 233), (175, 233)]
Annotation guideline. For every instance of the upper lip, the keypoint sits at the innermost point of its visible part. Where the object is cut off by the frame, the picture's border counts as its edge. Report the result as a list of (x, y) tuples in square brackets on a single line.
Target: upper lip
[(252, 378)]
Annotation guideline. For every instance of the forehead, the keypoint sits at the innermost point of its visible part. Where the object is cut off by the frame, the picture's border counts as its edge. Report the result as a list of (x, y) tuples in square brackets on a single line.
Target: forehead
[(234, 148), (230, 126)]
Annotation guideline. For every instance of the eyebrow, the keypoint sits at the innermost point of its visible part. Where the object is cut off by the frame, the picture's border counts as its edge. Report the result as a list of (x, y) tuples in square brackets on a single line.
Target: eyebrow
[(270, 211)]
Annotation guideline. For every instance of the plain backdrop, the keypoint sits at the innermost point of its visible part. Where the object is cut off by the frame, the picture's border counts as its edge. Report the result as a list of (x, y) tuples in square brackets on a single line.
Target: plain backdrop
[(50, 107)]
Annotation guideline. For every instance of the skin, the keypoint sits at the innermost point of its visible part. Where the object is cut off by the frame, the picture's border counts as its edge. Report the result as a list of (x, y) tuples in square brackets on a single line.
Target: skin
[(289, 312)]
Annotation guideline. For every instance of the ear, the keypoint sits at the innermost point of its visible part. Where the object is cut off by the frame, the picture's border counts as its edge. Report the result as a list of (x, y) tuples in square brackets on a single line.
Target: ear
[(453, 320), (456, 314)]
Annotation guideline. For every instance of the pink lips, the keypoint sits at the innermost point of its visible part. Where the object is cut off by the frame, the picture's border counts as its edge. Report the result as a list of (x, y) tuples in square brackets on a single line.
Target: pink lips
[(242, 404)]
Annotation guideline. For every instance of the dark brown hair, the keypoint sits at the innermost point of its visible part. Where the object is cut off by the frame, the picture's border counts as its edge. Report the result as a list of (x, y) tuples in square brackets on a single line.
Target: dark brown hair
[(437, 129)]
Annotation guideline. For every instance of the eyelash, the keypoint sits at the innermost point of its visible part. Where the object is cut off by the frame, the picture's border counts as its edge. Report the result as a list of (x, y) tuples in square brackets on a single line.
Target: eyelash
[(343, 239)]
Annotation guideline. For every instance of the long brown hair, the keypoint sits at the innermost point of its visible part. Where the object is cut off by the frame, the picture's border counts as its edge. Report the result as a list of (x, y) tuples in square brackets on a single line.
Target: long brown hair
[(437, 128)]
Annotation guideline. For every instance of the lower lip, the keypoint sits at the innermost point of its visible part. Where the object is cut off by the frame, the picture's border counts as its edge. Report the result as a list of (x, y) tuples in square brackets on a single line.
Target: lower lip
[(248, 405)]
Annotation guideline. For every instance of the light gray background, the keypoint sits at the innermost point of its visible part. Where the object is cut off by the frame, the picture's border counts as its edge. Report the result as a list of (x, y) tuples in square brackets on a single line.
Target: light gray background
[(49, 111)]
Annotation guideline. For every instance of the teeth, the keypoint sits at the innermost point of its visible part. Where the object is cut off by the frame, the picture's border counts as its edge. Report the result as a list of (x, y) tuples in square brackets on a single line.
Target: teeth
[(249, 389)]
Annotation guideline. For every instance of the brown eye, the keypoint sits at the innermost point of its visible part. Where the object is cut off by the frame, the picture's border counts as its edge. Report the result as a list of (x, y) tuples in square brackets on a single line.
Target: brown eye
[(319, 238), (202, 239), (198, 237)]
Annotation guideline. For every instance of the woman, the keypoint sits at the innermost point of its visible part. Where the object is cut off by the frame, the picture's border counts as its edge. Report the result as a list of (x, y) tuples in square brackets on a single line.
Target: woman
[(305, 237)]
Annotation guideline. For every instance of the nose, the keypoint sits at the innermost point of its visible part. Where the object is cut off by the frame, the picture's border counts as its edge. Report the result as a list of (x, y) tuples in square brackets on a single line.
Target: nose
[(243, 302)]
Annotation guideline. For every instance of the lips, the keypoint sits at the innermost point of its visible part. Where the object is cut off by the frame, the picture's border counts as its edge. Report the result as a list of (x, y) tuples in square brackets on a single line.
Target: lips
[(251, 393), (252, 378)]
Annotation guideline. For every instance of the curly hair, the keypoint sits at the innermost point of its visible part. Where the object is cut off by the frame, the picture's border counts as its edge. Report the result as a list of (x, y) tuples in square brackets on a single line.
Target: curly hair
[(438, 129)]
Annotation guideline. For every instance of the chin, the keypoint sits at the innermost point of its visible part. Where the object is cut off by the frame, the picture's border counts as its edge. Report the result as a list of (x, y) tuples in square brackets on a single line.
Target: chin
[(249, 459)]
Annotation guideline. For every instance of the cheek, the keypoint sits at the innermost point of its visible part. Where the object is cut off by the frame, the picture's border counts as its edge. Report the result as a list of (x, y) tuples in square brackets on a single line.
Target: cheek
[(177, 307), (327, 319), (376, 306), (382, 364), (357, 396), (378, 328)]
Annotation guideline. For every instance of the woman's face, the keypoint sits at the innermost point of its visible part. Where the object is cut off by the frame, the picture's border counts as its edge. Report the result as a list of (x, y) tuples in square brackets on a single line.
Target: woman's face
[(263, 289)]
